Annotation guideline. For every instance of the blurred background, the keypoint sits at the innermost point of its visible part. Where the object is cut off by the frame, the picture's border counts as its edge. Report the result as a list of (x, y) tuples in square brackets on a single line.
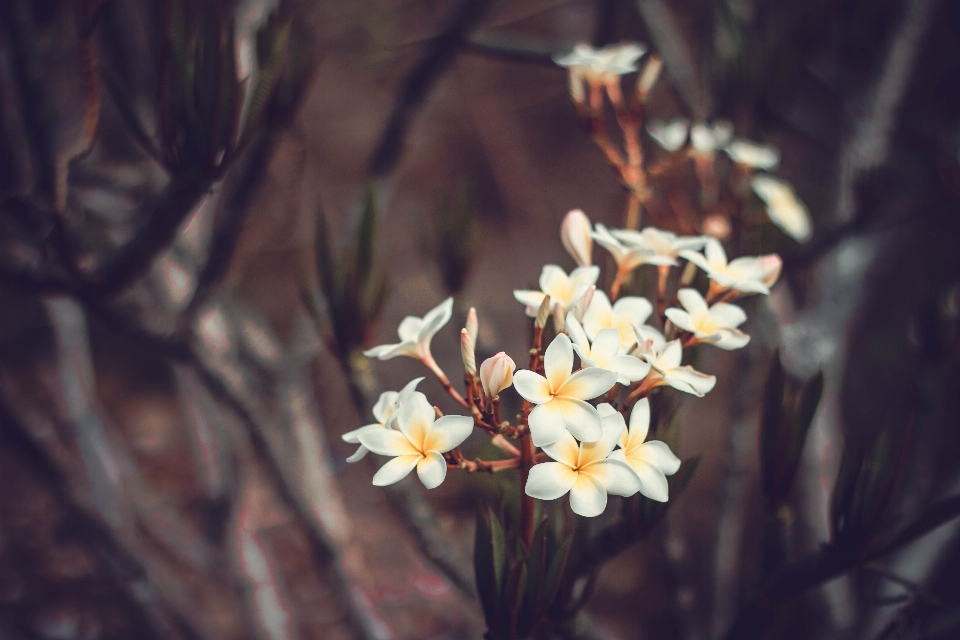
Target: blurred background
[(209, 207)]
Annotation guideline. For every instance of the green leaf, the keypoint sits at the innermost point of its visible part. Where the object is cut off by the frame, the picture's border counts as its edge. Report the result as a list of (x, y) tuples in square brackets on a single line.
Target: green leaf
[(485, 570), (553, 577)]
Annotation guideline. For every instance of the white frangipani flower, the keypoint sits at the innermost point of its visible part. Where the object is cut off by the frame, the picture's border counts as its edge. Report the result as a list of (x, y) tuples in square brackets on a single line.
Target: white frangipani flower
[(747, 274), (415, 335), (651, 461), (606, 353), (708, 139), (627, 257), (563, 290), (665, 358), (625, 314), (384, 412), (496, 374), (420, 442), (669, 135), (715, 324), (753, 155), (783, 207), (664, 245), (575, 235), (561, 397), (601, 64), (584, 470)]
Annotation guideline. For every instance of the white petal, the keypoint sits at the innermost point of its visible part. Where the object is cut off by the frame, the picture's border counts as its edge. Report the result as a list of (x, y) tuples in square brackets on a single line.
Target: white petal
[(553, 279), (714, 253), (616, 476), (408, 390), (687, 379), (565, 450), (598, 315), (634, 308), (696, 258), (659, 455), (730, 339), (680, 318), (415, 417), (671, 356), (387, 442), (639, 423), (653, 483), (549, 480), (532, 386), (359, 454), (588, 498), (728, 316), (587, 384), (611, 427), (388, 351), (580, 418), (409, 328), (577, 336), (447, 433), (395, 470), (582, 278), (435, 319), (432, 470), (385, 406), (353, 437), (532, 300), (606, 344), (546, 423), (630, 369), (692, 301), (558, 361)]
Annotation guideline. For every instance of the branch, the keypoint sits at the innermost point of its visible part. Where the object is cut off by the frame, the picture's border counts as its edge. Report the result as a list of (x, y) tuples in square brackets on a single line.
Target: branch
[(438, 56)]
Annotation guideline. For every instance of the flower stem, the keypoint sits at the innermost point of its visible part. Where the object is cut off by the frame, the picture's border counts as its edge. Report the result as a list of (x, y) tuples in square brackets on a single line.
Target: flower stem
[(527, 505), (442, 377), (617, 283)]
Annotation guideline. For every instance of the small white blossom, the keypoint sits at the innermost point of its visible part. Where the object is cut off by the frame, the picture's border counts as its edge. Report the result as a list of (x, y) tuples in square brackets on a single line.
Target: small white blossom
[(601, 64), (575, 235), (783, 207), (496, 374), (625, 314), (747, 274), (584, 470), (415, 335), (627, 257), (651, 461), (420, 441), (561, 397), (753, 155), (664, 245), (563, 290), (385, 411), (771, 265), (708, 139), (606, 353), (715, 324), (664, 358), (669, 135)]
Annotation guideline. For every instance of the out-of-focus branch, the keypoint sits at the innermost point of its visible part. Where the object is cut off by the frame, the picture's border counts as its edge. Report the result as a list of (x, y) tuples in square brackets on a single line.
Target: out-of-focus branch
[(438, 56)]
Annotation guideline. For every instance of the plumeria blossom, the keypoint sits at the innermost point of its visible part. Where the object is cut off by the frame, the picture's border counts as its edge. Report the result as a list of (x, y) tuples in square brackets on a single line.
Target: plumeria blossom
[(575, 236), (747, 274), (584, 470), (625, 314), (664, 245), (385, 411), (563, 290), (664, 358), (706, 139), (715, 324), (561, 396), (651, 461), (783, 207), (496, 374), (627, 257), (606, 352), (669, 135), (601, 64), (415, 335), (753, 155), (420, 441)]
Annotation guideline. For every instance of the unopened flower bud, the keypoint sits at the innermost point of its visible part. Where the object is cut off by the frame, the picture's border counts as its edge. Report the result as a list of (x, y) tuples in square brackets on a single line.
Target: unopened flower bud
[(473, 325), (466, 350), (580, 306), (576, 238), (771, 264), (496, 374), (543, 313)]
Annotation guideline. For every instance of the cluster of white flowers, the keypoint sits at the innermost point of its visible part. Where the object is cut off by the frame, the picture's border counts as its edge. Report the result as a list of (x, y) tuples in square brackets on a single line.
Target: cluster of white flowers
[(587, 450)]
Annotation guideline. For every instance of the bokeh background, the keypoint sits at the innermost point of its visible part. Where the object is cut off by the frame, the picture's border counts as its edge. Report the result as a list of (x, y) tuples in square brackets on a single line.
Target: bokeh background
[(175, 372)]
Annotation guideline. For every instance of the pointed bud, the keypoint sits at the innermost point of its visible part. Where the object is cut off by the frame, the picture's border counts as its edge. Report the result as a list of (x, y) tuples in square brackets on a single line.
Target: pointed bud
[(772, 264), (580, 306), (496, 374), (466, 350), (473, 325), (543, 313), (576, 238)]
